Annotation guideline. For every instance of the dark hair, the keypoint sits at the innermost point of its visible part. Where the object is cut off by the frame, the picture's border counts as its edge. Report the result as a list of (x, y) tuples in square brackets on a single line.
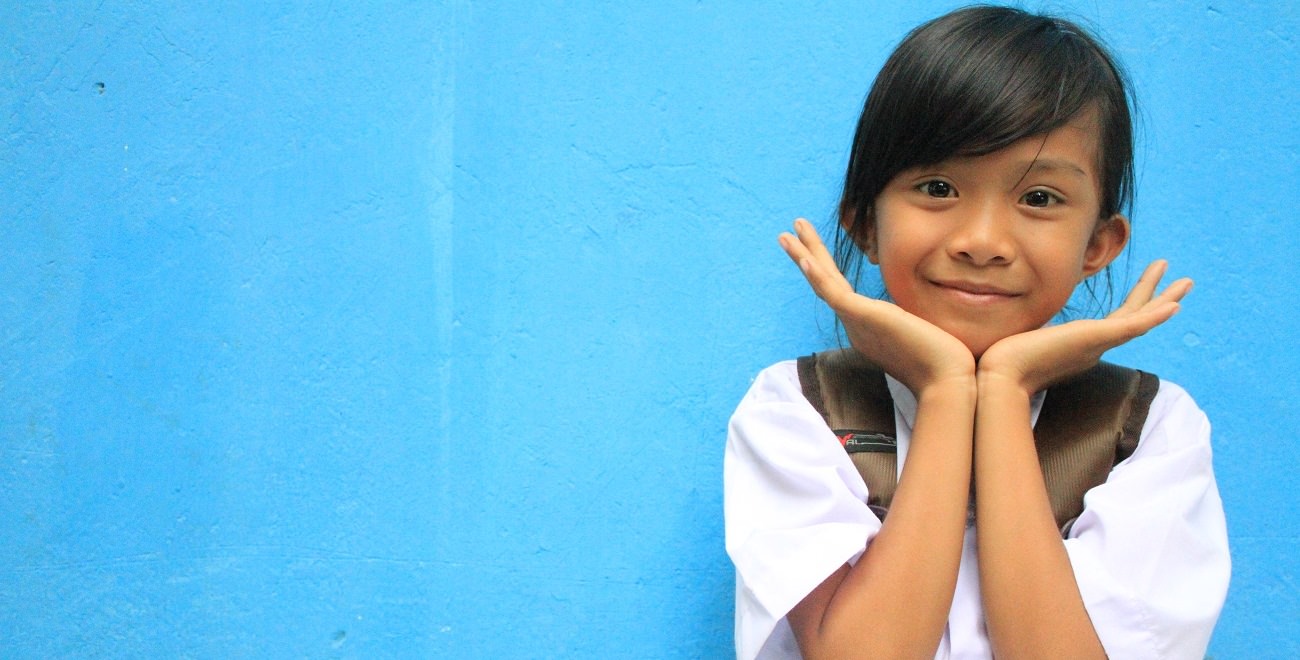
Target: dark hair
[(972, 82)]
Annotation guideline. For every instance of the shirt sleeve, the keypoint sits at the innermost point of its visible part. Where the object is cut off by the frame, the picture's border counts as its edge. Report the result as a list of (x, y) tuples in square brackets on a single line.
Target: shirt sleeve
[(1150, 550), (795, 506)]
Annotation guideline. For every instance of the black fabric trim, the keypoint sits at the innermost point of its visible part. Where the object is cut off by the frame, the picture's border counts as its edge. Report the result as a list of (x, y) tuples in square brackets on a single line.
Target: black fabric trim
[(811, 385)]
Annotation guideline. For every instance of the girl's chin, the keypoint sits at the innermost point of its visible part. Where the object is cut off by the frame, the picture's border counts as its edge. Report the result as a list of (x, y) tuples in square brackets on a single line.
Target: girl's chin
[(980, 339), (978, 345)]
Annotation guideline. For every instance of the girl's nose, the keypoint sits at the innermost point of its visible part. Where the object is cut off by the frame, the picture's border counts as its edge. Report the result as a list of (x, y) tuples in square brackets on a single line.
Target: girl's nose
[(983, 238)]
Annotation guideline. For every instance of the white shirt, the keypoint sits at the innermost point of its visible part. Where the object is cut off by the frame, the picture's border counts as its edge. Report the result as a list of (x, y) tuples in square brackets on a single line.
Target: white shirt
[(1149, 551)]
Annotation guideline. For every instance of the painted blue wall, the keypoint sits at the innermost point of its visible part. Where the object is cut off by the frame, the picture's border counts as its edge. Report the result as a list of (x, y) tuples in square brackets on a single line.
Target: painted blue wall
[(332, 330)]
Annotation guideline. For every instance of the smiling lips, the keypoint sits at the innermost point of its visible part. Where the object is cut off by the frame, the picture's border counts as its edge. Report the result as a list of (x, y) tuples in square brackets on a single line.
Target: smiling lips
[(975, 292)]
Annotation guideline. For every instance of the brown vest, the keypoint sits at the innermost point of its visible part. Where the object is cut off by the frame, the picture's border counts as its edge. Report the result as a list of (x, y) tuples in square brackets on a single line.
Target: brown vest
[(1088, 424)]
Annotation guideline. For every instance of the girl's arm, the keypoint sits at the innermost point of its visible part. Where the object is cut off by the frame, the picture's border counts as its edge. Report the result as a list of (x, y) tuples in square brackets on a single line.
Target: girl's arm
[(894, 601), (1032, 603)]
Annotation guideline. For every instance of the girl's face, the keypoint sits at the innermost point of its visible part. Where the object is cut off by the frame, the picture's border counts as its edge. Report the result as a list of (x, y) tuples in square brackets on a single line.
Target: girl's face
[(990, 246)]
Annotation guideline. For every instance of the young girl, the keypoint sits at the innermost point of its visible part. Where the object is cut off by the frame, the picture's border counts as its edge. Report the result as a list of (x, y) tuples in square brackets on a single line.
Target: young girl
[(988, 174)]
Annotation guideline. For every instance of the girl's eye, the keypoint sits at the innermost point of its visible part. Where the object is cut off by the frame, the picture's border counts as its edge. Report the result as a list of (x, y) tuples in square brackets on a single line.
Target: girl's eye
[(937, 188), (1040, 198)]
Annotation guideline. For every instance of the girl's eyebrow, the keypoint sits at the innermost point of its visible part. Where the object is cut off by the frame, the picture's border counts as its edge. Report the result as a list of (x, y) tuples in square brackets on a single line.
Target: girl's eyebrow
[(1054, 164)]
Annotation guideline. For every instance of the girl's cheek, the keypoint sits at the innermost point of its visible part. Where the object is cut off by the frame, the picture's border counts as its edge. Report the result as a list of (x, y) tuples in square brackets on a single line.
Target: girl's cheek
[(897, 286)]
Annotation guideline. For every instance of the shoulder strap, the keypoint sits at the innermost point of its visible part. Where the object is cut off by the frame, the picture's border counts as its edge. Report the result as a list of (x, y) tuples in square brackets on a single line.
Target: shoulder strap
[(852, 396), (1088, 424)]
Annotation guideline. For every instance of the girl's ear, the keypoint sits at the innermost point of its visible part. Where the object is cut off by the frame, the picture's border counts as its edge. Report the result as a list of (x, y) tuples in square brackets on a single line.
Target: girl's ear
[(865, 240), (1107, 241)]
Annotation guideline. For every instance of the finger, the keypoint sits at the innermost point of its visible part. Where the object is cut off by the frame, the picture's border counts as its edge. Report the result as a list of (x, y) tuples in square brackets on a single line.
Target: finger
[(1144, 320), (1176, 291), (1126, 324), (813, 242), (1145, 288), (822, 273), (799, 254), (804, 243), (833, 286), (794, 249)]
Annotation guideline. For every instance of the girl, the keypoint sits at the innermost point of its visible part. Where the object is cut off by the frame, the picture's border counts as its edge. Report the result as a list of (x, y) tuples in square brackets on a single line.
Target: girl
[(988, 174)]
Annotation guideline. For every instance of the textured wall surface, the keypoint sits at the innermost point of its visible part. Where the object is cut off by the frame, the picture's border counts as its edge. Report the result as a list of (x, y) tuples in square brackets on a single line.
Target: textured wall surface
[(330, 330)]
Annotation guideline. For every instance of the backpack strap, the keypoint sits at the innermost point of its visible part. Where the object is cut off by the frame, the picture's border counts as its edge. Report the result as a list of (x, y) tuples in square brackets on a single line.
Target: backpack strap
[(852, 396), (1087, 425)]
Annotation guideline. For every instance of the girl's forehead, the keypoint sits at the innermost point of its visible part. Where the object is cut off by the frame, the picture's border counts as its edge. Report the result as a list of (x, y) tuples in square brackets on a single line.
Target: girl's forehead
[(1072, 148)]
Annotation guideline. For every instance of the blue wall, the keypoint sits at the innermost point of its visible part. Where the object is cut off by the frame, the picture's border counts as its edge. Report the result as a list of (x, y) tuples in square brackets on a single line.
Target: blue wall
[(327, 330)]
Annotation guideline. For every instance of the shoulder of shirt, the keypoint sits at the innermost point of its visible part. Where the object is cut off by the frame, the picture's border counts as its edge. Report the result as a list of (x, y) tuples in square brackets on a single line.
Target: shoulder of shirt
[(1174, 423), (778, 382), (1172, 397)]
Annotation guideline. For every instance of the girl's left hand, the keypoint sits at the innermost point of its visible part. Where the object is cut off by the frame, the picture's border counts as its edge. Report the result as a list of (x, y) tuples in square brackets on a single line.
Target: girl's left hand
[(1035, 359)]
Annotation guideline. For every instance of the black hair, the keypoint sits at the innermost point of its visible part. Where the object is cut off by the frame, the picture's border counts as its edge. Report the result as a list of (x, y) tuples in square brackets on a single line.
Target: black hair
[(972, 82)]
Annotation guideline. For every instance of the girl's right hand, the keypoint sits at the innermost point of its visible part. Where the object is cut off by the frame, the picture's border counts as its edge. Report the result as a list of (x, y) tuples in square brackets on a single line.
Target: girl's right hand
[(911, 349)]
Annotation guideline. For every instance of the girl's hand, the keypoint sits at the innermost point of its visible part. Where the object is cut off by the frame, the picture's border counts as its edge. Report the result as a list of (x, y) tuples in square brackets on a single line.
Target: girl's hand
[(1035, 359), (911, 349)]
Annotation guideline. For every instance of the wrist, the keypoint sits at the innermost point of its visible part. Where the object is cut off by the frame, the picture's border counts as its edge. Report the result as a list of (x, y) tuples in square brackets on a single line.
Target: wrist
[(994, 383), (957, 390)]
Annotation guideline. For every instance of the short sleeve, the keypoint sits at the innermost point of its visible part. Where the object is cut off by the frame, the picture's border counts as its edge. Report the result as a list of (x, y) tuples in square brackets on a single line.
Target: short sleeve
[(1150, 550), (795, 507)]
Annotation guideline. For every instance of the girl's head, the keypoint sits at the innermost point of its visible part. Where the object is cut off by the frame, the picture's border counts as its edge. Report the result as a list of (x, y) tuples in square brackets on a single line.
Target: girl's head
[(964, 88)]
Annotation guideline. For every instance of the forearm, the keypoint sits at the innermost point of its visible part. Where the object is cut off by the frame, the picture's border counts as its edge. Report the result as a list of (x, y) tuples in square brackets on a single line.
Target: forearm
[(1032, 604), (906, 577)]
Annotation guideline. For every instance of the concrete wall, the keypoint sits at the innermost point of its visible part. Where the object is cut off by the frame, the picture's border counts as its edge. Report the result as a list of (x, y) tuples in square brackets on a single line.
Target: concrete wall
[(331, 329)]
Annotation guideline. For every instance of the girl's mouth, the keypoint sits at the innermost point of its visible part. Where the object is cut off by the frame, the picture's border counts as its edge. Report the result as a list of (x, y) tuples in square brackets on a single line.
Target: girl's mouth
[(975, 292)]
